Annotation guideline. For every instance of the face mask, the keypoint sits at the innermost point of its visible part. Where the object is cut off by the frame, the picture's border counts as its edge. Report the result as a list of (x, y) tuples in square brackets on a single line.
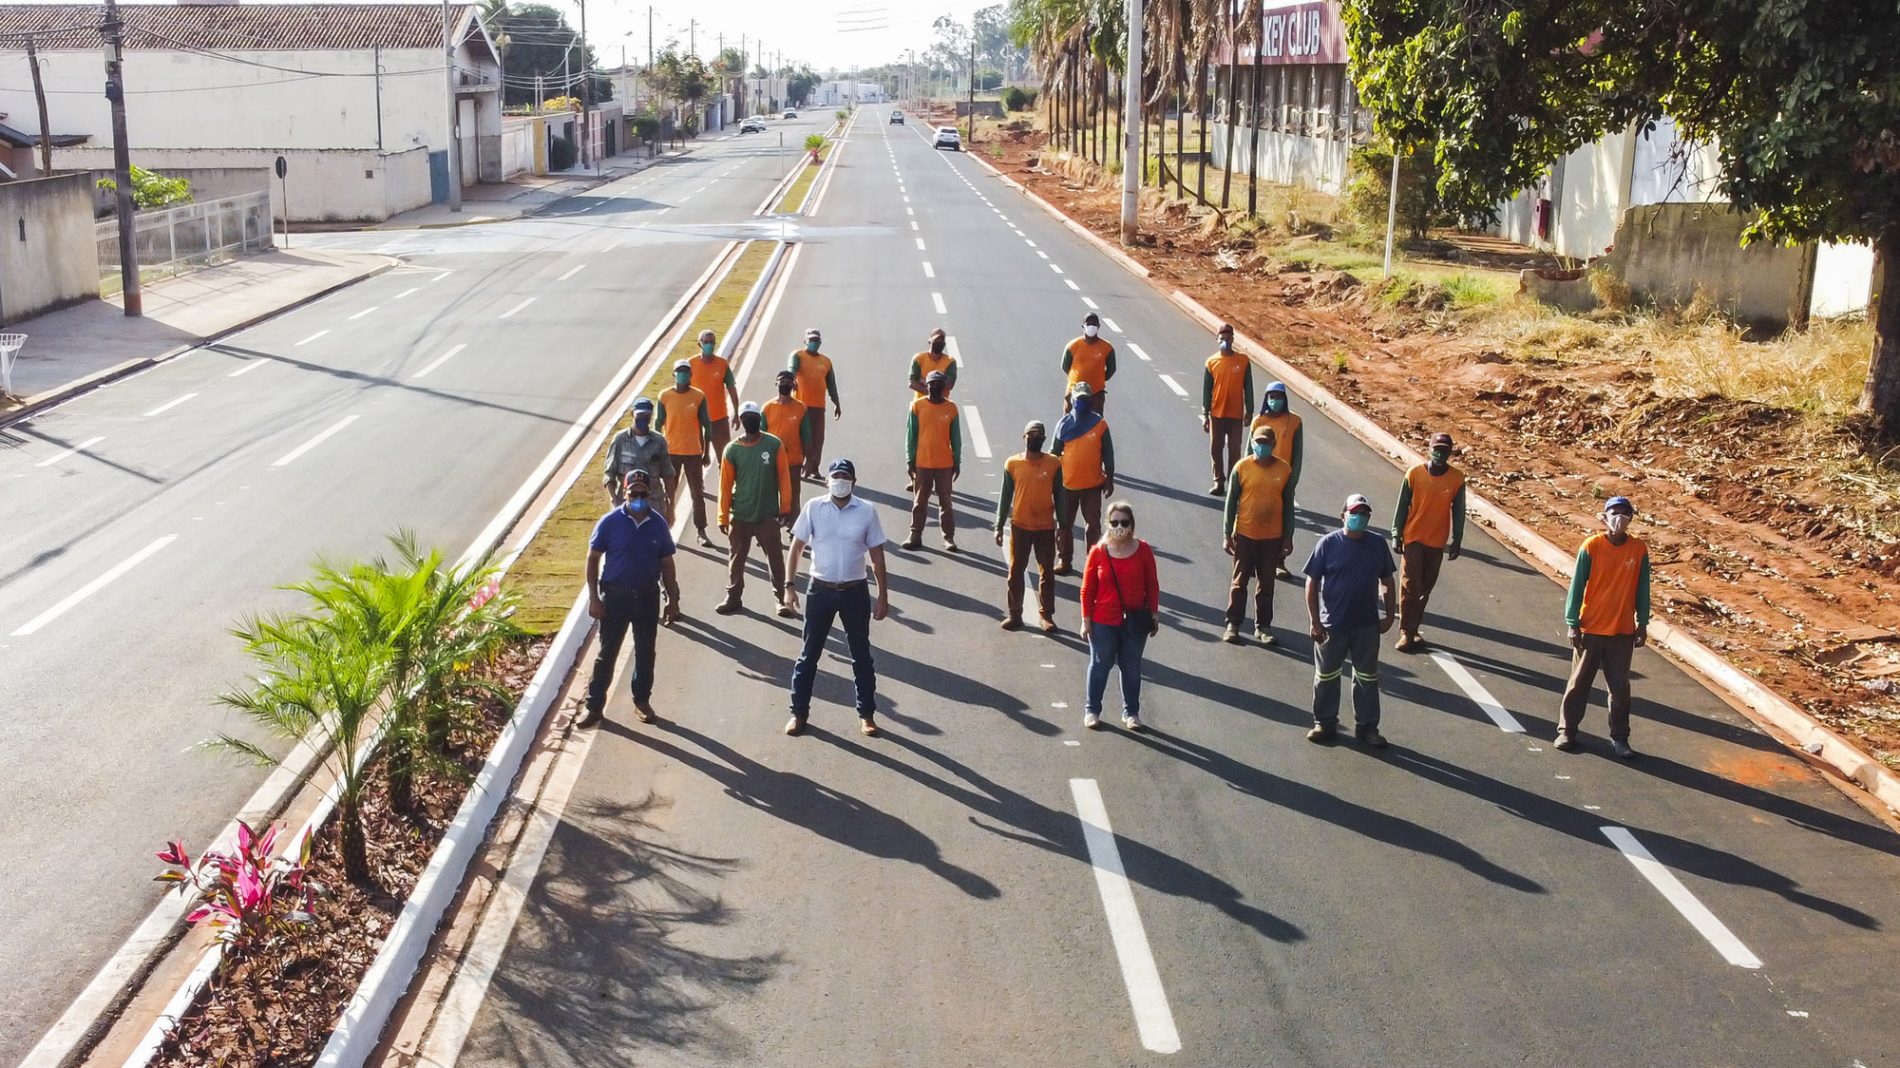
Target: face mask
[(1033, 442), (1440, 457), (936, 347), (811, 345), (641, 424), (1116, 533), (1357, 521), (1276, 404), (1090, 331), (1618, 523), (1081, 405), (935, 393), (840, 487), (784, 389), (637, 505), (750, 422), (1262, 450), (1226, 344), (682, 379), (705, 348)]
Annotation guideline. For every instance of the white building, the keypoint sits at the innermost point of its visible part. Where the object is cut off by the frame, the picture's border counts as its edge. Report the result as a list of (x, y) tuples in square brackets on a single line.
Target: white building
[(839, 93), (353, 96)]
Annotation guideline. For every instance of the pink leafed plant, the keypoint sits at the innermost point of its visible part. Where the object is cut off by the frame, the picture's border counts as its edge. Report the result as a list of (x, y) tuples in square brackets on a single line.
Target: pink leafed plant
[(246, 895)]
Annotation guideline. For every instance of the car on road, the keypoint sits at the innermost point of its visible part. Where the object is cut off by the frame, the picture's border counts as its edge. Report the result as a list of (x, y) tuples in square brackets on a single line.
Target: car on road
[(755, 124), (897, 118), (790, 114), (947, 137)]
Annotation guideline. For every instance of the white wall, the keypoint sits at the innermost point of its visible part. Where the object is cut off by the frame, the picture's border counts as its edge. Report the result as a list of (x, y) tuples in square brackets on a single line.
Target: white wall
[(1668, 170), (1843, 279), (334, 185), (1283, 158), (517, 145), (1592, 191)]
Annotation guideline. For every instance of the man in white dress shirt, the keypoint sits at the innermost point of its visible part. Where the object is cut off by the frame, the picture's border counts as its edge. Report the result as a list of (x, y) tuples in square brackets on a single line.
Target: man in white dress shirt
[(842, 530)]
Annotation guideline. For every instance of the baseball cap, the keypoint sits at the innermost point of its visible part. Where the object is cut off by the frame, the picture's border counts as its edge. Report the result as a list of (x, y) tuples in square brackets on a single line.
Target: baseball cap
[(1081, 390), (644, 404), (1034, 426), (1358, 501), (813, 332), (684, 365), (1091, 319), (1276, 387), (1262, 432), (750, 408), (934, 376), (842, 466), (638, 479), (1614, 503), (1441, 438), (786, 373)]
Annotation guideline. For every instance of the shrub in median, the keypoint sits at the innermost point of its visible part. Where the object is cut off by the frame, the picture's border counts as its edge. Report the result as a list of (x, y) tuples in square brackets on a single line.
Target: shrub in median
[(247, 895)]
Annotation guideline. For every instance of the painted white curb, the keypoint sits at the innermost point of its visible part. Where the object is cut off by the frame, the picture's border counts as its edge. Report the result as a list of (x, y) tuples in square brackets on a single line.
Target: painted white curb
[(1122, 259)]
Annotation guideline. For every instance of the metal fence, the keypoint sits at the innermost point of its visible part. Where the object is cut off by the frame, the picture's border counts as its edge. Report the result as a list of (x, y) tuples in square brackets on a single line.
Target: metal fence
[(172, 241)]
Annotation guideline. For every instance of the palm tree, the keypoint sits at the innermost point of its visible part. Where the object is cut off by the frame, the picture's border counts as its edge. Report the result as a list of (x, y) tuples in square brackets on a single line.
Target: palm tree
[(494, 15)]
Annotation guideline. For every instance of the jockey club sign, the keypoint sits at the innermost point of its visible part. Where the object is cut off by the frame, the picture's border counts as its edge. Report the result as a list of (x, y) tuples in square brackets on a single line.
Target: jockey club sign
[(1300, 33)]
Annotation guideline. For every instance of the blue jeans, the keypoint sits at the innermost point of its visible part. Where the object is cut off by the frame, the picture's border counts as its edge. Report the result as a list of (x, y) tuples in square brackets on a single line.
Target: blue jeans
[(625, 608), (1360, 645), (851, 606), (1111, 646)]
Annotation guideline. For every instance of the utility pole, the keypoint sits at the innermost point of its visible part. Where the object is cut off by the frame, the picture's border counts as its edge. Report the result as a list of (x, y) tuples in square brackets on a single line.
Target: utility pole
[(587, 90), (692, 39), (39, 97), (1134, 128), (649, 39), (455, 113), (114, 33), (971, 121)]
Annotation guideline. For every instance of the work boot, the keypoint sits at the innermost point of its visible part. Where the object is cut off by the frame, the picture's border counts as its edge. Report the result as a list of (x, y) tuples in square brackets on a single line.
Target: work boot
[(1063, 568), (1370, 737), (1264, 636), (912, 543), (643, 710), (590, 718), (949, 544), (1322, 734), (1622, 749), (1048, 625), (1012, 623), (795, 726), (1231, 635), (704, 541), (1217, 489), (727, 607), (1565, 742)]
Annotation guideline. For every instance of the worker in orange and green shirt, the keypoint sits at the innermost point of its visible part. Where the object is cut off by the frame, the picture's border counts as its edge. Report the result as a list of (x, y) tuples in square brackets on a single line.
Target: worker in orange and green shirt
[(1087, 453), (933, 454), (1608, 615), (755, 495), (1289, 437), (712, 375), (1032, 497), (686, 423), (935, 358), (817, 378), (785, 420), (1226, 398), (1429, 524), (1258, 523), (1089, 361)]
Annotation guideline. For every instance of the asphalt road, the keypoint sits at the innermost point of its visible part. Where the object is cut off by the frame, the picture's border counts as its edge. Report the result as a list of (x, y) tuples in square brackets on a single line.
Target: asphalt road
[(182, 497), (719, 894)]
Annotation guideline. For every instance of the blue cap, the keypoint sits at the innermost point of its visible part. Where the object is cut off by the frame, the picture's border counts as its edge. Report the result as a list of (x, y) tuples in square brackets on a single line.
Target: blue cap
[(1614, 503), (644, 404), (842, 466), (1276, 387)]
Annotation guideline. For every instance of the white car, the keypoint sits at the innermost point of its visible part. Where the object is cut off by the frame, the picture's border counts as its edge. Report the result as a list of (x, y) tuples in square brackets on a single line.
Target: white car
[(790, 114), (947, 137), (755, 124)]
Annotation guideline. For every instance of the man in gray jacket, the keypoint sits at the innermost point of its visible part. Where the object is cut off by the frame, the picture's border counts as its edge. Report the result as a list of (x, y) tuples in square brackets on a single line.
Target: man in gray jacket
[(638, 448)]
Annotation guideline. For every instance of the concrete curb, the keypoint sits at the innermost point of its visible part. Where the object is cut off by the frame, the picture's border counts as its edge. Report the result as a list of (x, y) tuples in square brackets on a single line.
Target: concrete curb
[(1767, 708), (39, 402)]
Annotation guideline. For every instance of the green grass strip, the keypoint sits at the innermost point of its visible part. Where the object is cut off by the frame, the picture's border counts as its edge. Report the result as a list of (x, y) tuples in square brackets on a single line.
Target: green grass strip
[(552, 567), (802, 184)]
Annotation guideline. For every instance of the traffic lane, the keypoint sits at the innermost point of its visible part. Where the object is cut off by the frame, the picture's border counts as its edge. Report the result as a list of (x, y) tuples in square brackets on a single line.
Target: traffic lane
[(1185, 476)]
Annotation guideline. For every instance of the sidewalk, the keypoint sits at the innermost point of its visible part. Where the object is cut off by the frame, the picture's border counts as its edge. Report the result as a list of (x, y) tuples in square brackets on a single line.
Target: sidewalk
[(523, 194), (76, 348)]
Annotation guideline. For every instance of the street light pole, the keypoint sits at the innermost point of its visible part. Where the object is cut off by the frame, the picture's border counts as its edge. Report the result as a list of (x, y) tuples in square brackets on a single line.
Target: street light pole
[(587, 93), (114, 33), (455, 113), (1134, 128)]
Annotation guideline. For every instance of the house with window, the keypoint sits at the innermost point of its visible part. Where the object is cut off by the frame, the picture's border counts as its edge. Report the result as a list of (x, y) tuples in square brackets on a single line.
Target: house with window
[(355, 98)]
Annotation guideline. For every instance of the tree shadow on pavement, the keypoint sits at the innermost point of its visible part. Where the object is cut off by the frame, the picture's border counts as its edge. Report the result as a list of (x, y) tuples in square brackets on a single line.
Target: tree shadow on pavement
[(1386, 827), (1693, 857), (599, 971), (822, 809)]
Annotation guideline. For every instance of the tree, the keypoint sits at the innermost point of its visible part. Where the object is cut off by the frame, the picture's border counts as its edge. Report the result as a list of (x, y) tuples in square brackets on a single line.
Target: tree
[(1802, 103), (541, 46), (494, 16)]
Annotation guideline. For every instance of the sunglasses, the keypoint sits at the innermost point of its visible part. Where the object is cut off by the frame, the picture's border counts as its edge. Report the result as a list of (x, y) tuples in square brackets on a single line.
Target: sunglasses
[(1120, 524)]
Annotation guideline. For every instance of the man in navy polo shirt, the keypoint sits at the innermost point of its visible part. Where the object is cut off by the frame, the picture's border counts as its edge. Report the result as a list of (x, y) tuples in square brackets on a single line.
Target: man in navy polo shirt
[(1345, 576), (625, 593)]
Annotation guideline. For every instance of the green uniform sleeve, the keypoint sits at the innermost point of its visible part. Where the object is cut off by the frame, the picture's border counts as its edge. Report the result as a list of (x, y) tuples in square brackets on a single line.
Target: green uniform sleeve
[(1458, 517), (916, 374), (1642, 593), (1246, 389), (1232, 508), (1299, 449), (1068, 359), (950, 376), (1207, 391), (1108, 369), (659, 418), (831, 385), (910, 440), (666, 463), (705, 419), (729, 379), (1004, 499), (1403, 511), (792, 364), (1062, 496), (804, 434), (1579, 578), (1108, 452), (956, 439), (612, 470), (1286, 510)]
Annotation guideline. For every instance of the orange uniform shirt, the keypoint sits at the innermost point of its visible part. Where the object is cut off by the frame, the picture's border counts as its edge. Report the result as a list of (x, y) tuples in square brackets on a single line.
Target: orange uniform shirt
[(784, 420), (925, 362), (1283, 426), (1088, 362), (1082, 459), (680, 421), (1429, 520), (935, 423), (710, 377), (812, 369), (1229, 372), (1609, 594), (1260, 507), (1033, 505)]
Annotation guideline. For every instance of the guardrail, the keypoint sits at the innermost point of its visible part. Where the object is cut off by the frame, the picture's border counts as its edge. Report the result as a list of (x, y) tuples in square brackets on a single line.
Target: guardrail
[(171, 241)]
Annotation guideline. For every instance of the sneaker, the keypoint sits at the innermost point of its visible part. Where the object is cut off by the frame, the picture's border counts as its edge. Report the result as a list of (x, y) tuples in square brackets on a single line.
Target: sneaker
[(1565, 742), (1622, 749), (1133, 723), (949, 545), (1048, 625), (1322, 734), (727, 607), (644, 711), (1217, 490), (1012, 623), (1091, 720), (795, 726), (590, 718), (1063, 568), (1370, 737), (1282, 572), (704, 541), (1264, 636), (867, 727), (786, 611), (1231, 635), (912, 544)]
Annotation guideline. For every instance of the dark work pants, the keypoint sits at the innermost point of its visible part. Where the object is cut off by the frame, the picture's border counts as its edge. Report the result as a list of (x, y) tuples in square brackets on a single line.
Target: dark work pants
[(931, 481), (1254, 562), (815, 455), (766, 533), (625, 608), (852, 607), (1089, 503), (1416, 579), (1223, 432), (1360, 645), (1022, 543), (686, 469), (1612, 653)]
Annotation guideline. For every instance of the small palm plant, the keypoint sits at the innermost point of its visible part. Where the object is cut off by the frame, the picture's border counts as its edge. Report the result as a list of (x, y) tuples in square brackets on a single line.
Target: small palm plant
[(814, 143)]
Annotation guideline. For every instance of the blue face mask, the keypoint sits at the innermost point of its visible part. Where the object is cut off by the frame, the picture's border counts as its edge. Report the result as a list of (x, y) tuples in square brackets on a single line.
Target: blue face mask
[(1357, 521), (1226, 345), (1261, 450), (637, 505), (1276, 404), (1081, 405), (705, 348), (811, 346), (641, 423)]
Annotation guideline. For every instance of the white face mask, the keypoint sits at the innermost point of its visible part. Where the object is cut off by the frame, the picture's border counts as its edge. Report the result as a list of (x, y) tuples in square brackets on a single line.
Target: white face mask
[(840, 487), (1618, 523), (1091, 331)]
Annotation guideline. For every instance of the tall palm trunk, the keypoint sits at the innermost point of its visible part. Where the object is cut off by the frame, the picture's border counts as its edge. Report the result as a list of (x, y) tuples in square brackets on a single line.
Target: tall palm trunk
[(1200, 117), (1233, 110), (1253, 141), (352, 846), (1180, 149)]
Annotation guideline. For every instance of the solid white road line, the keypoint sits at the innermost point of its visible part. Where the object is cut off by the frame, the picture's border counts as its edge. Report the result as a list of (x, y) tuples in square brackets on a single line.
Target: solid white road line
[(170, 404), (1168, 380), (578, 268), (929, 271), (1153, 1019), (1092, 306), (1138, 351), (440, 360), (249, 366), (937, 299), (291, 456), (1110, 323), (1694, 911), (511, 311), (63, 453), (978, 440), (406, 292), (94, 586), (311, 338), (1476, 691), (364, 312)]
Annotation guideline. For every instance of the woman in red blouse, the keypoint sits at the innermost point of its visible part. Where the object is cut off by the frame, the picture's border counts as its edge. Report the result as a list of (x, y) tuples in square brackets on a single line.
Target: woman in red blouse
[(1120, 596)]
